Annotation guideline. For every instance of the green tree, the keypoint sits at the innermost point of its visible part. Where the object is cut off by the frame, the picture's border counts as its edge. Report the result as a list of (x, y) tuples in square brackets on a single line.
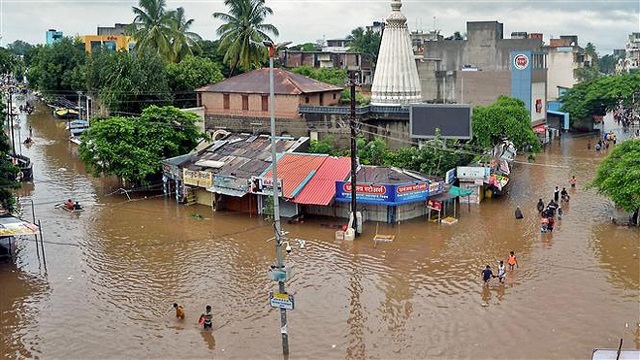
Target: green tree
[(366, 42), (8, 172), (56, 69), (607, 64), (601, 95), (183, 42), (191, 73), (127, 83), (372, 152), (8, 61), (151, 28), (507, 117), (132, 148), (304, 47), (243, 32), (210, 50), (618, 175)]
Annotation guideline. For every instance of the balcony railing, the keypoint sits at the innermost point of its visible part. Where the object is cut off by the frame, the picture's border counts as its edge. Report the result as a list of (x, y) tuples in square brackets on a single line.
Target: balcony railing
[(360, 110)]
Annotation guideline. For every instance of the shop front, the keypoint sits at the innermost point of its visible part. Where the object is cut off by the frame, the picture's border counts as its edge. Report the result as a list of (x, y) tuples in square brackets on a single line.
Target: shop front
[(388, 203)]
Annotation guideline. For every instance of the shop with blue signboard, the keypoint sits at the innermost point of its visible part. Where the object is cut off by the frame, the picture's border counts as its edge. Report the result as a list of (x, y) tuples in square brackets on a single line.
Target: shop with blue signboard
[(401, 197)]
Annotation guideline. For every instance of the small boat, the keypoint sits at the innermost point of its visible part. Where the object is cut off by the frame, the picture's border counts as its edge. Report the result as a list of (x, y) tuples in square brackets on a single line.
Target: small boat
[(76, 140), (65, 208), (65, 113), (77, 124)]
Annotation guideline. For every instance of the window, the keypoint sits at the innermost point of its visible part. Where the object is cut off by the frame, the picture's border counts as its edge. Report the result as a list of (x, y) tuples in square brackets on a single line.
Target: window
[(306, 99), (245, 102), (199, 99), (265, 103), (225, 101), (321, 99), (334, 96)]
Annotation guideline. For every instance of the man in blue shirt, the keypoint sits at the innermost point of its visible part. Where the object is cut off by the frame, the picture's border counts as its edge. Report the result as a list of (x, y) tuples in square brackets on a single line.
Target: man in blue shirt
[(487, 274)]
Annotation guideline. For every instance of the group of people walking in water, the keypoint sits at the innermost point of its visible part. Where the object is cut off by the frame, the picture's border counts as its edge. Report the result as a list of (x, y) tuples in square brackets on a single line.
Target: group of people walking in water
[(206, 318)]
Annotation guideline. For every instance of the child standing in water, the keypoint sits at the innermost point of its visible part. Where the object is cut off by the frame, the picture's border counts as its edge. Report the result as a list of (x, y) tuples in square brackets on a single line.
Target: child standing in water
[(502, 271), (512, 261)]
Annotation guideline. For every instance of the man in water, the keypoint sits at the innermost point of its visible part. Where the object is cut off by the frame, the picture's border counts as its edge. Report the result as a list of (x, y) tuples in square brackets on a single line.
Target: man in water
[(512, 261), (519, 213), (573, 181), (487, 274), (179, 311), (556, 194), (540, 205), (206, 319), (69, 204)]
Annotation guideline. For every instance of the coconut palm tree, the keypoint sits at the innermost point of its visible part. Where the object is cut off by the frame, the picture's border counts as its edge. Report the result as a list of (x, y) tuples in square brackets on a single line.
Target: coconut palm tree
[(183, 42), (151, 27), (243, 32)]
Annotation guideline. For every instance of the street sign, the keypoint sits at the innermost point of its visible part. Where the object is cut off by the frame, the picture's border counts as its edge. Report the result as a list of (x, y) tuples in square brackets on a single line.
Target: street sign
[(284, 274), (281, 301)]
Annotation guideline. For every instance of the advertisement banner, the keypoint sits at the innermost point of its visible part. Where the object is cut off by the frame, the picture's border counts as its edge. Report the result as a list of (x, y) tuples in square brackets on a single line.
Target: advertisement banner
[(412, 192), (366, 193)]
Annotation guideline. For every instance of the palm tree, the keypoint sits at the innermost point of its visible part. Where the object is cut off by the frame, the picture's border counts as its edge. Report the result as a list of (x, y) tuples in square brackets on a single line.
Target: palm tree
[(243, 32), (183, 42), (151, 27)]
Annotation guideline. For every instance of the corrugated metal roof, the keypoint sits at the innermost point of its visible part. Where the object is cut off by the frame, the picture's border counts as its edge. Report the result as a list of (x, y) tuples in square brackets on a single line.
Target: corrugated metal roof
[(295, 170), (321, 189), (257, 82)]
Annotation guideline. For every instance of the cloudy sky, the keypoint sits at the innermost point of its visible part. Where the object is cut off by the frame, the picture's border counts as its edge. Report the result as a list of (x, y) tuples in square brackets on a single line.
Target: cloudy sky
[(605, 23)]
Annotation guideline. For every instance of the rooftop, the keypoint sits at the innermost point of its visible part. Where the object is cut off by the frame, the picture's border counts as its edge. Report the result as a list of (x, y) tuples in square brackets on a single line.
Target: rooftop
[(257, 82)]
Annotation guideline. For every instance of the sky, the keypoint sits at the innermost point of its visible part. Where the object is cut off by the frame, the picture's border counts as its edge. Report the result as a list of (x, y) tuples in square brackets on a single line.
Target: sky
[(607, 24)]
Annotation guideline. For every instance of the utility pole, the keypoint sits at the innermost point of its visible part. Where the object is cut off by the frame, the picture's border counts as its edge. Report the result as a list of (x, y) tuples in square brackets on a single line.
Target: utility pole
[(352, 123), (13, 138), (276, 202)]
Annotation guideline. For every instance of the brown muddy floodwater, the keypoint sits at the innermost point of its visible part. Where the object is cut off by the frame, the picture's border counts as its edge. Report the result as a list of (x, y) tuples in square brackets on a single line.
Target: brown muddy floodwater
[(114, 271)]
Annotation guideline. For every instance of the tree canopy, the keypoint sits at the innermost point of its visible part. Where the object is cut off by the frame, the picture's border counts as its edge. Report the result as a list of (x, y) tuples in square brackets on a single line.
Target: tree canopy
[(127, 83), (132, 148), (366, 42), (189, 74), (243, 31), (56, 69), (8, 172), (505, 118), (601, 95), (618, 175)]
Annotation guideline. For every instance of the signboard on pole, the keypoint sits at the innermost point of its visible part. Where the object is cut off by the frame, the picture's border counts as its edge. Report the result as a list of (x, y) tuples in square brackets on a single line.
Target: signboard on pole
[(264, 185), (281, 300)]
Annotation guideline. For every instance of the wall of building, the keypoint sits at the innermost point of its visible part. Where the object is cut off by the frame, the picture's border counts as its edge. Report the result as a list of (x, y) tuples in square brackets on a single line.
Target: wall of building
[(256, 125), (204, 197), (481, 87), (561, 64), (286, 106), (122, 42), (431, 90), (538, 102)]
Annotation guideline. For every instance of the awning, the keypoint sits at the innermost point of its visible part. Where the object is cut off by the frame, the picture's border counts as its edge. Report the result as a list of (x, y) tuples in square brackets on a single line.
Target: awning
[(540, 129), (13, 226), (456, 191), (227, 191), (442, 197)]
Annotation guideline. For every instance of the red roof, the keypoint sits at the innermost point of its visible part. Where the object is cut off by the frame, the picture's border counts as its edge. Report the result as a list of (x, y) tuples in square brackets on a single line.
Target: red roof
[(296, 170), (257, 82), (321, 189)]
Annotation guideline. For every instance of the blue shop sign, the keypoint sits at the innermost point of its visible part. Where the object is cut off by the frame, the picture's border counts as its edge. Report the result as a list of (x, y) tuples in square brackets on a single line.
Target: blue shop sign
[(386, 194)]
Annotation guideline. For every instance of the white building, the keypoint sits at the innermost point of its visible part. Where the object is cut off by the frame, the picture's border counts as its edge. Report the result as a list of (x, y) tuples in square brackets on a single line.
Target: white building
[(564, 56), (631, 60)]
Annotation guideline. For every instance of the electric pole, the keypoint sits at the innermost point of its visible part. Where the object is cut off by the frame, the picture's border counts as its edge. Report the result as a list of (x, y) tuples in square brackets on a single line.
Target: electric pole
[(352, 123)]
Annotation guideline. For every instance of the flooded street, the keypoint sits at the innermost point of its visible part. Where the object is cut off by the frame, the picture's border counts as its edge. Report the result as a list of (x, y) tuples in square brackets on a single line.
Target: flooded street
[(114, 271)]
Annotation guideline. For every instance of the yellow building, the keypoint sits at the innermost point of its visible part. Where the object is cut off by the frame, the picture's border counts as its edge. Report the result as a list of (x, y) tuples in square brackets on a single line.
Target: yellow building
[(109, 42)]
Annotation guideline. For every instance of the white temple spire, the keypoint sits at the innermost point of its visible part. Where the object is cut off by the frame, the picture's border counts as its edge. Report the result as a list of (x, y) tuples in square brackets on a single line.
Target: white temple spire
[(396, 80)]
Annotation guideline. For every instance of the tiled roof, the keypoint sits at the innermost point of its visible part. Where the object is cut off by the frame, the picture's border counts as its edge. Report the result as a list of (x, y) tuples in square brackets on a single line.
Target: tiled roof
[(257, 82), (321, 189), (296, 170)]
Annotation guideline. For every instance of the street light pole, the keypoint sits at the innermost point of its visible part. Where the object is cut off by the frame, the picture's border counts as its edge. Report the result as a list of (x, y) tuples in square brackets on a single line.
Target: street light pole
[(276, 202), (352, 123)]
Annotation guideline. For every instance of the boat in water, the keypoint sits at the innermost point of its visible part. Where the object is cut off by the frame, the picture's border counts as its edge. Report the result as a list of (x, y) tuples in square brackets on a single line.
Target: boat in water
[(66, 113), (64, 207), (77, 127)]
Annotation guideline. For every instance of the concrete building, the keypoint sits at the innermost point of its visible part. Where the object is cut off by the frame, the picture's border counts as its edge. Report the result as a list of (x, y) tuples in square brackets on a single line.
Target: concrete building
[(109, 42), (336, 45), (241, 103), (420, 38), (396, 79), (117, 29), (631, 59), (564, 56), (485, 65), (53, 36), (336, 60)]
